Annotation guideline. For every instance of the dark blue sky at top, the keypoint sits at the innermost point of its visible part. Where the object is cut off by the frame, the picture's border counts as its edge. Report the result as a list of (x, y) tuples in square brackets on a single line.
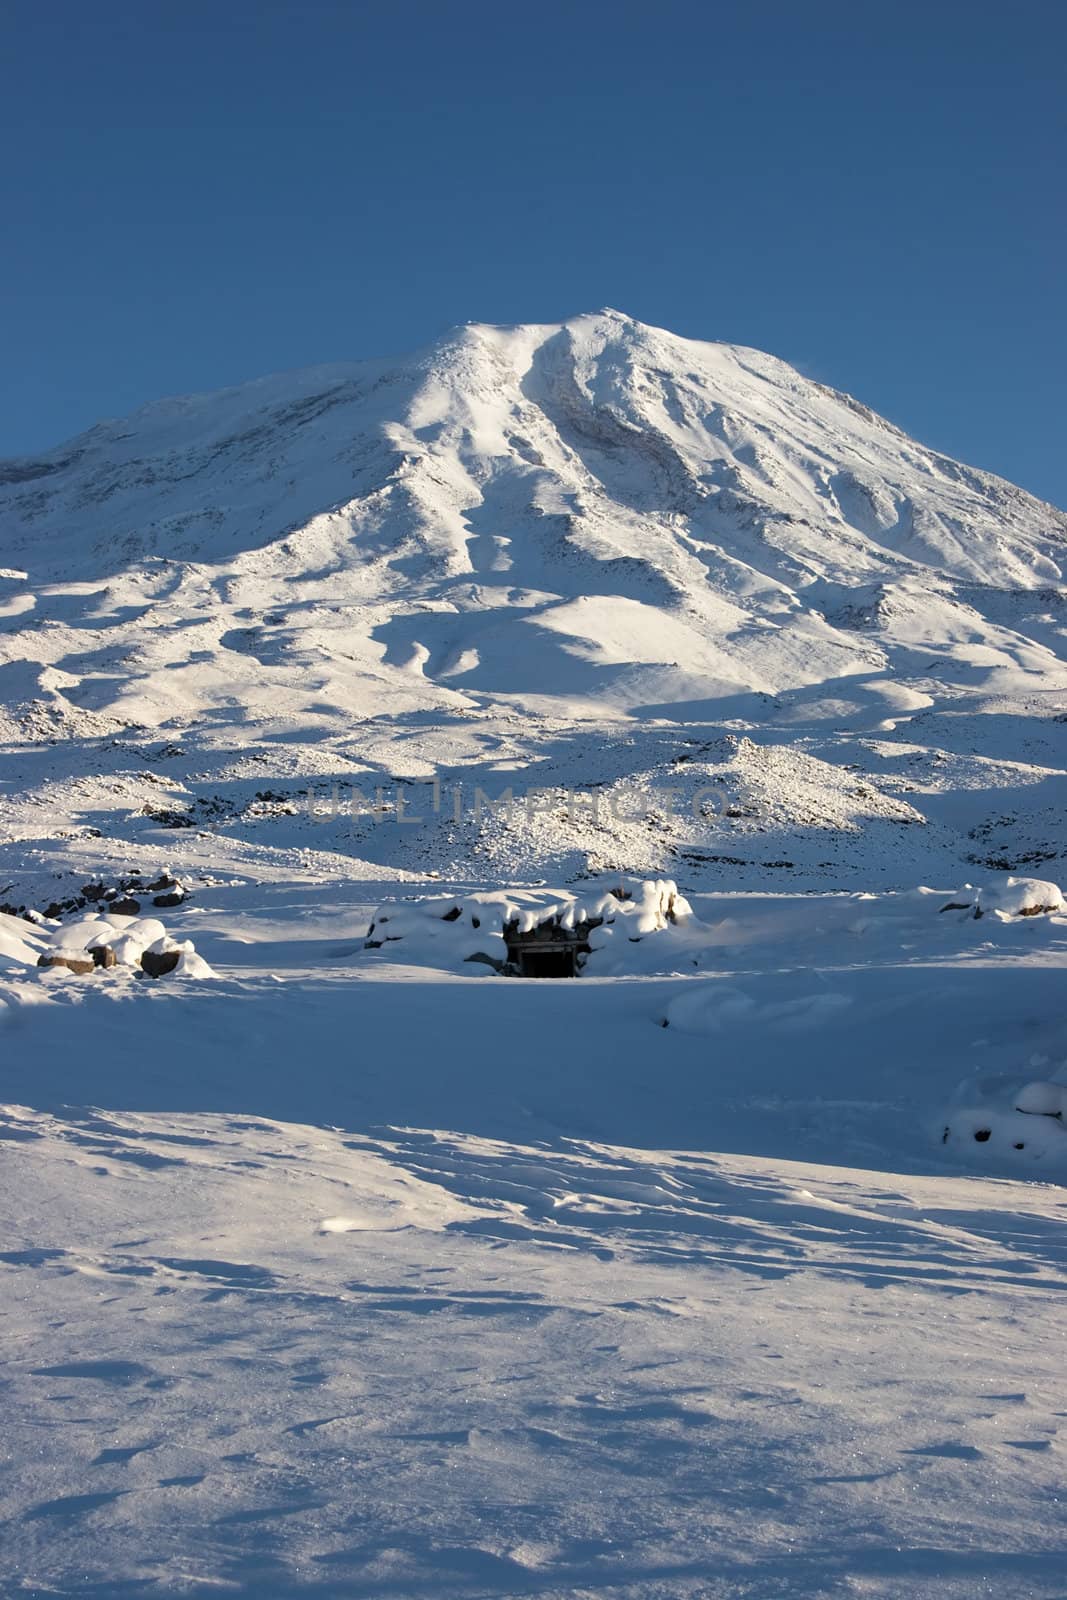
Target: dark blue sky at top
[(195, 194)]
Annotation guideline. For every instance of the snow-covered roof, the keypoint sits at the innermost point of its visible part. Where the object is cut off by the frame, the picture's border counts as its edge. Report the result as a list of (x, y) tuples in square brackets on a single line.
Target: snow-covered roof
[(475, 927)]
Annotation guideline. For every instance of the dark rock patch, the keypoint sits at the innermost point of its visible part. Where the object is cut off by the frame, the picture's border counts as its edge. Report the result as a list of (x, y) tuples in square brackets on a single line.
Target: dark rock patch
[(80, 963), (157, 963)]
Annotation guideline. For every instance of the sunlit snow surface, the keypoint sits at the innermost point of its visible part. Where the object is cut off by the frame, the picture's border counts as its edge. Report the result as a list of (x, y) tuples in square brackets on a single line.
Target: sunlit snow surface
[(731, 1270), (345, 1277)]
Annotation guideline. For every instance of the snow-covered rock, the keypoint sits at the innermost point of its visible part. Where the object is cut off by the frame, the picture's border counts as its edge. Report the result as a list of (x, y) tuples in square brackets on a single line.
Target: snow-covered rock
[(995, 1121), (995, 1135), (97, 942), (1011, 897), (1020, 897), (1042, 1099)]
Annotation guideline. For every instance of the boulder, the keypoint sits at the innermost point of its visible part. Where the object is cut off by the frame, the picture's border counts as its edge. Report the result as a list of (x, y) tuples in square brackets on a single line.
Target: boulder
[(157, 963), (74, 961)]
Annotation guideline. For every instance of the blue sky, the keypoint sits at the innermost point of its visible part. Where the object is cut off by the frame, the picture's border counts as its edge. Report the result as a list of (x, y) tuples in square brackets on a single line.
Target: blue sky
[(195, 194)]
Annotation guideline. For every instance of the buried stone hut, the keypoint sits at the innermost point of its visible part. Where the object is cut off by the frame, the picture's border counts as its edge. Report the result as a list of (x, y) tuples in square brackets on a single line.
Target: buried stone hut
[(528, 933)]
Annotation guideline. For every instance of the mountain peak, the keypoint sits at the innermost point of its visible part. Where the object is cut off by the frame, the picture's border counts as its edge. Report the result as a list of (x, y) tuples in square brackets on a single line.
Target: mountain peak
[(587, 524)]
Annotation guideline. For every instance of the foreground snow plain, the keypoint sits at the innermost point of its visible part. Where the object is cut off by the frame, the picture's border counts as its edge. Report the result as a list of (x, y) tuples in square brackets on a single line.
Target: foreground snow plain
[(364, 1279)]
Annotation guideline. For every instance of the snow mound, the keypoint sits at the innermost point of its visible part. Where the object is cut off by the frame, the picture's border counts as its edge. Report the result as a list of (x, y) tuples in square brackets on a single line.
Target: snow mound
[(992, 1123), (1042, 1099), (779, 786), (1000, 1134), (656, 807), (1020, 897), (706, 1008), (1014, 897), (19, 941)]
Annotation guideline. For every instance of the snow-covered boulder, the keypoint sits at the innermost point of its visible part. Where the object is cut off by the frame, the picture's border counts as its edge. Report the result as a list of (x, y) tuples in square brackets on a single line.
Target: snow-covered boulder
[(69, 946), (995, 1122), (127, 950), (78, 961), (1020, 897), (1012, 897), (101, 941), (1041, 1099), (1000, 1134)]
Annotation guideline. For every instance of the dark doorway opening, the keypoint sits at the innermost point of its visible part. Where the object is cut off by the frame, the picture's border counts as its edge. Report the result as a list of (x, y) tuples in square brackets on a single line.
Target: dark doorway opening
[(548, 951), (560, 962)]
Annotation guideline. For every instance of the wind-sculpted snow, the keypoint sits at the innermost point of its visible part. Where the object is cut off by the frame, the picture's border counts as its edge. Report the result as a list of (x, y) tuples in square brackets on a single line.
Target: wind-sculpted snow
[(342, 1275), (597, 1385)]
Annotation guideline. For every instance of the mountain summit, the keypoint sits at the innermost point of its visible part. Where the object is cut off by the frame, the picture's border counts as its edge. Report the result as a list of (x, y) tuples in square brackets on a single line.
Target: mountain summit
[(721, 454)]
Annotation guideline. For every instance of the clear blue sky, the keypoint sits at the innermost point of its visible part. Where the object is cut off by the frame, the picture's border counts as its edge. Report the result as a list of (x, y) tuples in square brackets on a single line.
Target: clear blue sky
[(194, 194)]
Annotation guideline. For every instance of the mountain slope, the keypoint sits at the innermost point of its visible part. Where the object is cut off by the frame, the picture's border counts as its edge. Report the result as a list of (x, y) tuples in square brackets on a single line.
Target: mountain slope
[(449, 561)]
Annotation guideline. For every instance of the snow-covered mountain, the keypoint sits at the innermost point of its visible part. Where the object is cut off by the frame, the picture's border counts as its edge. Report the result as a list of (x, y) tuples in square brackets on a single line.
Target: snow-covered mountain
[(343, 1265), (552, 548)]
